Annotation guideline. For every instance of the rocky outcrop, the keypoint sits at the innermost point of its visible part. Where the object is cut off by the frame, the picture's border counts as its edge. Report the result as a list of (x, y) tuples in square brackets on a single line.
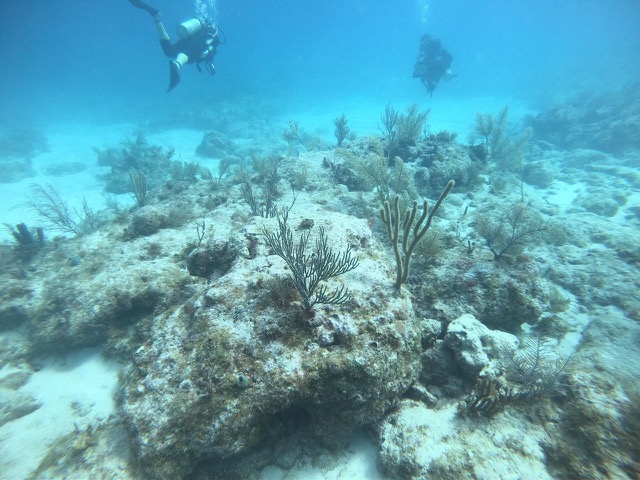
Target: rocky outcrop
[(231, 368)]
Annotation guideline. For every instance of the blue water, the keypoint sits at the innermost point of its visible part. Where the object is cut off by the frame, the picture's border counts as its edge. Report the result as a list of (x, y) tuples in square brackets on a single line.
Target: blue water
[(100, 61)]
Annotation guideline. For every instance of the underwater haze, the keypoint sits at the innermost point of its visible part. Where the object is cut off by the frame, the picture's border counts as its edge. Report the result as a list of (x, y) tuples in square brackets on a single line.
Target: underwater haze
[(364, 239), (73, 59)]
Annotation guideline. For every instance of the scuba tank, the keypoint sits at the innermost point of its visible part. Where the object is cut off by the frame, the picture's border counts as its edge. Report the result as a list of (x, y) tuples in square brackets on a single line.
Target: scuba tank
[(190, 27)]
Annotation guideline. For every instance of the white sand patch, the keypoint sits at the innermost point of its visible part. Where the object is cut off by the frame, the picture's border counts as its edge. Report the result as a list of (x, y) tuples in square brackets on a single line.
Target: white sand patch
[(359, 462), (77, 390), (68, 144), (564, 194)]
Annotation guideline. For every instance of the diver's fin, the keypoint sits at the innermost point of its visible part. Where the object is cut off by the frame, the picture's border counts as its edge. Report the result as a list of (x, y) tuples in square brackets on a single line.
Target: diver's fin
[(140, 4), (174, 75)]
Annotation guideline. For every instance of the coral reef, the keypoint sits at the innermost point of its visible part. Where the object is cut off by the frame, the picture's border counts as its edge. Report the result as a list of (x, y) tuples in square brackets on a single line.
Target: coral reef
[(309, 269), (17, 150), (215, 145), (15, 404), (509, 231), (247, 367), (402, 130), (216, 257), (501, 145), (147, 221), (607, 122), (419, 442), (137, 154), (240, 346), (56, 212), (139, 185), (24, 236), (409, 239), (341, 129)]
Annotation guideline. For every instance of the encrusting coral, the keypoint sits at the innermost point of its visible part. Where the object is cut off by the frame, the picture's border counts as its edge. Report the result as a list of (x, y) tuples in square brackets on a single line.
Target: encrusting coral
[(243, 364)]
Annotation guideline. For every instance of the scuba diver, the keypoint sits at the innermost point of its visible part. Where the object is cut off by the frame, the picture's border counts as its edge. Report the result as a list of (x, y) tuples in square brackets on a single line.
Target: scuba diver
[(433, 63), (198, 42)]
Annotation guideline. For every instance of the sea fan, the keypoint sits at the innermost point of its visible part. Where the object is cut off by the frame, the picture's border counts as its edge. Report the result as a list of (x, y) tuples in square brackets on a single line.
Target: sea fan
[(535, 368)]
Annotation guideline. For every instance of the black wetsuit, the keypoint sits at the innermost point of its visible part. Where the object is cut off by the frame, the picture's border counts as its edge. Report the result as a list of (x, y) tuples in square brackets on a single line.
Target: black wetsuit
[(199, 47), (433, 62)]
